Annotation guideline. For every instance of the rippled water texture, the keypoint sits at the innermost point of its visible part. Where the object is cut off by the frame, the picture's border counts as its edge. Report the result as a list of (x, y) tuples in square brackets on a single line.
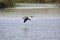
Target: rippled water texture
[(36, 29)]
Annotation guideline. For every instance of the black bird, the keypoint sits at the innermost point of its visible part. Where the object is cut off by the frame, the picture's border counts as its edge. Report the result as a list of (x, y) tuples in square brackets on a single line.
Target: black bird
[(26, 18)]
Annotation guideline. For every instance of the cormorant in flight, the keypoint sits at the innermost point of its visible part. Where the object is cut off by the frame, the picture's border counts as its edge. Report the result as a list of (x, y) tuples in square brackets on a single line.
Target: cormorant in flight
[(26, 18)]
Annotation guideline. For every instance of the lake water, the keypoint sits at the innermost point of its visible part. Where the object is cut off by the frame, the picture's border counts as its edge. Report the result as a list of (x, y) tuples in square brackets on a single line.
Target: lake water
[(36, 29), (45, 24)]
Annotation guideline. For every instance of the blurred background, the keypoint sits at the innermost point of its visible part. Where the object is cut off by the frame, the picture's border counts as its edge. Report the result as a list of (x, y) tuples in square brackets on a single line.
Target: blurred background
[(11, 3)]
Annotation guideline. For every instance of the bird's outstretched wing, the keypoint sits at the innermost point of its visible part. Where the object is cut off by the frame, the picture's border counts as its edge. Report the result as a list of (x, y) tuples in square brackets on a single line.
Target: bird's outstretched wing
[(29, 19)]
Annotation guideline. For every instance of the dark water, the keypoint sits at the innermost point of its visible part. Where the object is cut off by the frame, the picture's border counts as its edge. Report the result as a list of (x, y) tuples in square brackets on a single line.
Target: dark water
[(36, 29)]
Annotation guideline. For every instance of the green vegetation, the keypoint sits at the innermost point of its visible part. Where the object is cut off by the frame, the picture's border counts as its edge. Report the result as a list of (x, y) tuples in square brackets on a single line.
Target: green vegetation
[(38, 1), (8, 3), (11, 3)]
